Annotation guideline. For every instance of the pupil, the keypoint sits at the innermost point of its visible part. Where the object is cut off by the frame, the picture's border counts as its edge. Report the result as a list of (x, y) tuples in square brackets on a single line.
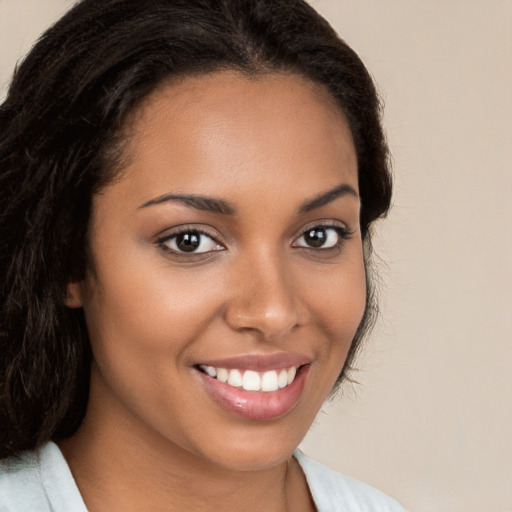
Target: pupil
[(315, 237), (188, 242)]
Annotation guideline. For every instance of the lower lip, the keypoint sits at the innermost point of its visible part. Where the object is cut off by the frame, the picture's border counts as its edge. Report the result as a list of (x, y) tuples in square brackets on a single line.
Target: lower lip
[(256, 405)]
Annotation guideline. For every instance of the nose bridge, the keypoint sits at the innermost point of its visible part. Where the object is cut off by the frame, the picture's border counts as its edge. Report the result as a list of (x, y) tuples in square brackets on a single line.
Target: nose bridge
[(264, 298)]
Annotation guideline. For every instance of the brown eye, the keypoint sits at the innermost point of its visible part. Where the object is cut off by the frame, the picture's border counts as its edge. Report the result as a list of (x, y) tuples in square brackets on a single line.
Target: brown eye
[(188, 242), (315, 237), (322, 237), (191, 242)]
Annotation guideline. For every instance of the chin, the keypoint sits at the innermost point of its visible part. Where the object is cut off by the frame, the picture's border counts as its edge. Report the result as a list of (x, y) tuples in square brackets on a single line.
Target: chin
[(246, 458), (253, 449)]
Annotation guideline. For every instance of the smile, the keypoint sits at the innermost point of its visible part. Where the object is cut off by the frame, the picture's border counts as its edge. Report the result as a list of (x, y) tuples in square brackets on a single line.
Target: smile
[(251, 380), (256, 387)]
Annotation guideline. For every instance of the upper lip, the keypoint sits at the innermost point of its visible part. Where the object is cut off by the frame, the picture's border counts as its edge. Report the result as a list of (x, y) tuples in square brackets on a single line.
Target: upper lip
[(260, 362)]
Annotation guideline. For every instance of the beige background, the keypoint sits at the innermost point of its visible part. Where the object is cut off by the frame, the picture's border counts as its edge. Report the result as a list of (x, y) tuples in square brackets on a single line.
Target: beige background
[(431, 420)]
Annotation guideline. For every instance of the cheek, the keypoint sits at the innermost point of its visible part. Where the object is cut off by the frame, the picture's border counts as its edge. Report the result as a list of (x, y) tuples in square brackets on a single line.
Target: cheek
[(337, 305), (340, 303), (142, 327), (149, 302)]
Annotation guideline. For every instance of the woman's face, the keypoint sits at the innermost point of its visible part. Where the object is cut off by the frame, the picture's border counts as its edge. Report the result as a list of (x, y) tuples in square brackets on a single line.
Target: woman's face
[(228, 249)]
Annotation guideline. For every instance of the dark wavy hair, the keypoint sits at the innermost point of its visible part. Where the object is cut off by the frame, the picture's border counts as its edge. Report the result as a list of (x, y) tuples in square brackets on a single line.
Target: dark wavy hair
[(62, 129)]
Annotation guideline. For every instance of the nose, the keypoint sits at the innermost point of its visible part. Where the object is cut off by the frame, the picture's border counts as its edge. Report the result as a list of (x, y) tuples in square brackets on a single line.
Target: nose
[(264, 299)]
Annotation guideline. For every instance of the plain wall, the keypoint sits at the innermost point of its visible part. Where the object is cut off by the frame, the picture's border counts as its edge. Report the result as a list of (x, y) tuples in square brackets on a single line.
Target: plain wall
[(430, 420)]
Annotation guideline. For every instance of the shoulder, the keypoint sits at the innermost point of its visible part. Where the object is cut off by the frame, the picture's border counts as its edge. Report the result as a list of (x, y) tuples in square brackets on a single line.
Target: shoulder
[(39, 481), (20, 484), (335, 492)]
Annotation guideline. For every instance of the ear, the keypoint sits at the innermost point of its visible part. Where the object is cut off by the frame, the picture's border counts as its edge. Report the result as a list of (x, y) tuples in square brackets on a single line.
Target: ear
[(74, 295)]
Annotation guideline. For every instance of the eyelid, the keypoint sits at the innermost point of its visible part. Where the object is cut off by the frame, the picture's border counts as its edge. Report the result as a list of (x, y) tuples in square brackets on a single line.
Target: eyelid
[(171, 233), (325, 223), (343, 231)]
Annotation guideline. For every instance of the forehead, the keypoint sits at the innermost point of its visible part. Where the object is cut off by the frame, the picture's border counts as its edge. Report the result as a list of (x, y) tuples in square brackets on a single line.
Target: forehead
[(218, 132)]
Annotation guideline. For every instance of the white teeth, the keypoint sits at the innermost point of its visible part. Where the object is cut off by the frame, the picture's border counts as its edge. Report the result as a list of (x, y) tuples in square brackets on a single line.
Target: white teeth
[(235, 378), (251, 380), (269, 381), (211, 371), (291, 374), (222, 374), (282, 379)]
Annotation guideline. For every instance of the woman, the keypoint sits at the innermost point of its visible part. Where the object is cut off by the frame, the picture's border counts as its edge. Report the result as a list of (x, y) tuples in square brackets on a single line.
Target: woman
[(187, 194)]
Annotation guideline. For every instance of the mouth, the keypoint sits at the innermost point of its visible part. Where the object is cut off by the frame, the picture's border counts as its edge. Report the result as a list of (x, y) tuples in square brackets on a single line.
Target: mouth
[(251, 380), (253, 388)]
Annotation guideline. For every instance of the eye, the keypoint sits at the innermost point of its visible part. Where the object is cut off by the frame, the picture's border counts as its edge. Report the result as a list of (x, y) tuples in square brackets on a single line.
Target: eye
[(190, 241), (322, 237)]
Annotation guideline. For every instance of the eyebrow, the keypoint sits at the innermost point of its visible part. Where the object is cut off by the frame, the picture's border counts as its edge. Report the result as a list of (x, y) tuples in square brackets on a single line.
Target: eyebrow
[(214, 205), (208, 204), (321, 200)]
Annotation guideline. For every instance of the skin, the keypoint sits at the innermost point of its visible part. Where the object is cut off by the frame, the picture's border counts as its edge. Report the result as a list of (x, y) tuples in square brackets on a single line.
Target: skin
[(153, 438)]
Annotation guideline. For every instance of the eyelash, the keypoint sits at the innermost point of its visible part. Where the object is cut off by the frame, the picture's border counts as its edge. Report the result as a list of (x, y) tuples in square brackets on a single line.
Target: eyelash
[(162, 241), (342, 232)]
